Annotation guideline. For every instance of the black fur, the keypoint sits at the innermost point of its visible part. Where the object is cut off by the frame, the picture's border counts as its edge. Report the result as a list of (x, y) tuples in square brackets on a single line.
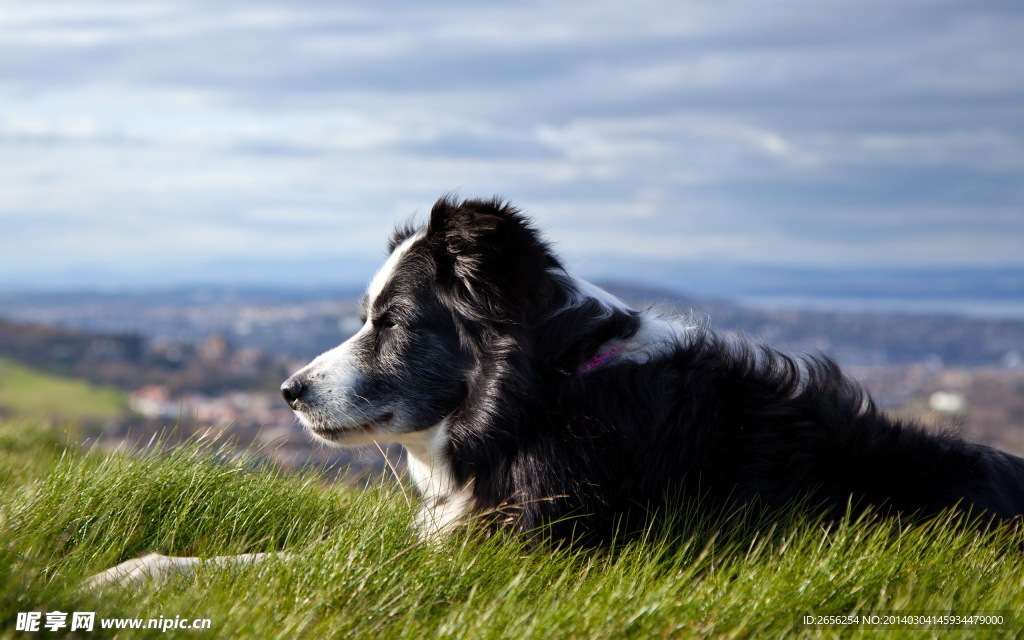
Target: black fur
[(592, 455)]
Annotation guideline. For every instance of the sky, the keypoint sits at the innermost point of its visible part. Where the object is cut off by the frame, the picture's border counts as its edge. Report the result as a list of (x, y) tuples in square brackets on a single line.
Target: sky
[(166, 142)]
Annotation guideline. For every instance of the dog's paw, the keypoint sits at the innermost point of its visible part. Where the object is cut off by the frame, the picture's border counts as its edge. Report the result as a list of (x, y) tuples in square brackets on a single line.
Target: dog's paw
[(134, 572), (155, 566)]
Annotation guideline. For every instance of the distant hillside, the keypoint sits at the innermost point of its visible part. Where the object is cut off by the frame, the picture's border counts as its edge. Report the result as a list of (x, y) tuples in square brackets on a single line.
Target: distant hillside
[(65, 351), (128, 361), (30, 395)]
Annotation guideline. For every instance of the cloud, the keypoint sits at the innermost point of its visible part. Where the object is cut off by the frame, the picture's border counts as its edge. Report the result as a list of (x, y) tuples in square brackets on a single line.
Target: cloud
[(864, 131)]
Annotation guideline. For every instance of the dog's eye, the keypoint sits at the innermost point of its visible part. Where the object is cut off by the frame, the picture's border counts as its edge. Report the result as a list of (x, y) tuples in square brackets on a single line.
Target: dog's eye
[(382, 333)]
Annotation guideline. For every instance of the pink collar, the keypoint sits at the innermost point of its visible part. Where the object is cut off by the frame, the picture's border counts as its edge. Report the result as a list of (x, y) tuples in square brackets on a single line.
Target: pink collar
[(603, 357)]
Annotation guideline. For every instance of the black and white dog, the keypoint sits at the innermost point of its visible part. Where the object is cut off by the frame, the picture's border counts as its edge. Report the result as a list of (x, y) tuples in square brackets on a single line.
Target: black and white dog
[(520, 390), (531, 399)]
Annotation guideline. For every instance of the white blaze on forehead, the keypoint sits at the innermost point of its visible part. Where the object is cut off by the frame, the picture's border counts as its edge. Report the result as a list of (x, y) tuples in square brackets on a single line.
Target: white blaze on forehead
[(388, 269)]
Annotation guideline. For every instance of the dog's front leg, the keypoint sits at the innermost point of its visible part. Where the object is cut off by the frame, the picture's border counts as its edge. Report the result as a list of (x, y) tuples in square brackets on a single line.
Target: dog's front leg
[(155, 566)]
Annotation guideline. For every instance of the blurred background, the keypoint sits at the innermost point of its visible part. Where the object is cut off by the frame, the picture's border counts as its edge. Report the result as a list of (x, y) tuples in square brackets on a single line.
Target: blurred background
[(192, 193)]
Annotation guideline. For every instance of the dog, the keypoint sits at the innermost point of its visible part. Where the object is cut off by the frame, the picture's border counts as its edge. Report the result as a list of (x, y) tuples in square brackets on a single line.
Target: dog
[(520, 390), (529, 399)]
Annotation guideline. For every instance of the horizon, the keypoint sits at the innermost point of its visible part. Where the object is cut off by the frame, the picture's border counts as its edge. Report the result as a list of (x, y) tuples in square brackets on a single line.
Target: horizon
[(993, 293)]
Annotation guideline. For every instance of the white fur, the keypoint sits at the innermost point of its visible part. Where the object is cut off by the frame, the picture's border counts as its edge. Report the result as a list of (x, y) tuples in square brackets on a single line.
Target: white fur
[(387, 270), (657, 335), (137, 571), (586, 289), (445, 505)]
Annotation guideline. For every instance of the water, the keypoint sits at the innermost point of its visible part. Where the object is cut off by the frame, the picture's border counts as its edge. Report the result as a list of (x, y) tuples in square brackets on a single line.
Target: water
[(974, 308)]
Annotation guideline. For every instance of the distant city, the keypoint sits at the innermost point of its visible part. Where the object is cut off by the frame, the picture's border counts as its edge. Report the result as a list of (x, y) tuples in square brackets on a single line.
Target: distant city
[(211, 358)]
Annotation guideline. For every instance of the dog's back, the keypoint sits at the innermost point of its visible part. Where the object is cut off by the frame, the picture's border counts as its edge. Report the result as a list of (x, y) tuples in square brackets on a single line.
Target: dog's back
[(717, 424)]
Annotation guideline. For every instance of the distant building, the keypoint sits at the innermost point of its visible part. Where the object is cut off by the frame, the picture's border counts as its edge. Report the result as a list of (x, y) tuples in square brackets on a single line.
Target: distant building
[(946, 402), (153, 401)]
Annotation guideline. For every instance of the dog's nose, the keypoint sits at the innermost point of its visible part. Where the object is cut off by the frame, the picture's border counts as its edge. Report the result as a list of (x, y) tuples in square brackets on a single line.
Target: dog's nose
[(292, 390)]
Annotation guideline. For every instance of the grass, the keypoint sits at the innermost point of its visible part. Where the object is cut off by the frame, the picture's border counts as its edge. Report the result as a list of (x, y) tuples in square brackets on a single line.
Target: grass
[(32, 395), (357, 569)]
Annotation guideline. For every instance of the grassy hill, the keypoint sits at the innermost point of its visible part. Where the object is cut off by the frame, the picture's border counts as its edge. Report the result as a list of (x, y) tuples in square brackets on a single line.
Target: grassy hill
[(359, 571), (29, 394)]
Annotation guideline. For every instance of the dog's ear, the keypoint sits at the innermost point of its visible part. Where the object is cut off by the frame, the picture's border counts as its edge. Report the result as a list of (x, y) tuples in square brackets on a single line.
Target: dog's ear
[(490, 260)]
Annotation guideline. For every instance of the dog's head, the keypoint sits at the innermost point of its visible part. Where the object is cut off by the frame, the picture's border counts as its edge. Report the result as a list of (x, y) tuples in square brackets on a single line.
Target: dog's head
[(477, 270)]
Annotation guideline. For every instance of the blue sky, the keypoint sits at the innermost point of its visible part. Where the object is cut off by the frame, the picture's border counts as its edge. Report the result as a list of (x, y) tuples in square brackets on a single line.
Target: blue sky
[(177, 141)]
